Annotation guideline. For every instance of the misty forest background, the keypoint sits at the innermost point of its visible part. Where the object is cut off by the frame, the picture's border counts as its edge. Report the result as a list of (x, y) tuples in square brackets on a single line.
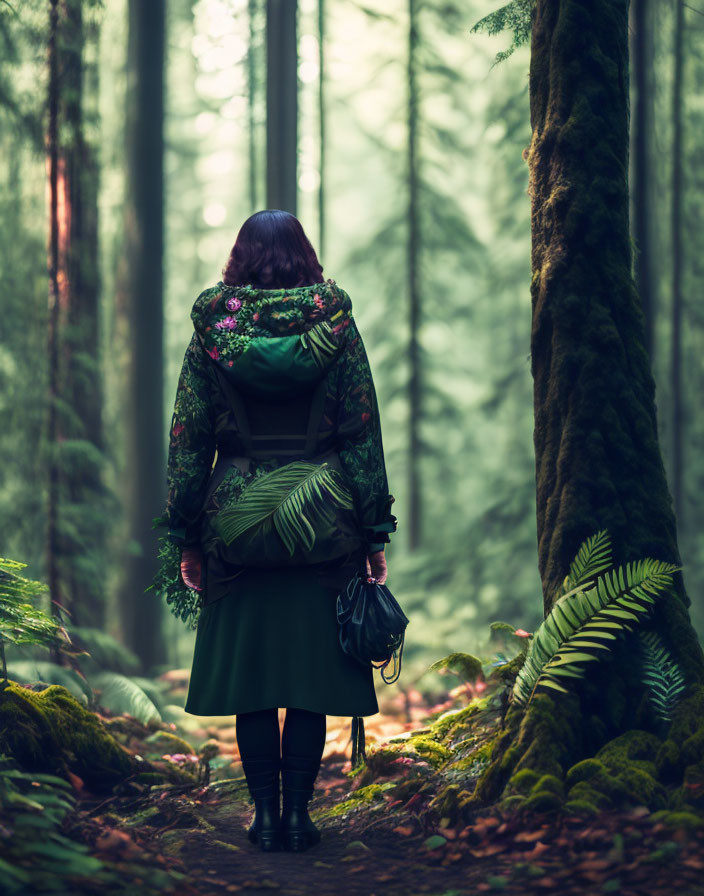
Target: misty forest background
[(135, 138)]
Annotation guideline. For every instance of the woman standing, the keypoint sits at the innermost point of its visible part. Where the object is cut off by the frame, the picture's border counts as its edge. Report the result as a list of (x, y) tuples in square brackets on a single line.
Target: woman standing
[(277, 381)]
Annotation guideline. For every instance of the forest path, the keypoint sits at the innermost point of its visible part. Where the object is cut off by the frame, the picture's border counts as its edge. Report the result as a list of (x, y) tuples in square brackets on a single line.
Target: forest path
[(394, 847), (380, 850)]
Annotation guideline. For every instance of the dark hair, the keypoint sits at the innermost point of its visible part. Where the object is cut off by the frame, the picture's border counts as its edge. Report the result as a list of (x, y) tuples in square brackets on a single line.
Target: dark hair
[(272, 252)]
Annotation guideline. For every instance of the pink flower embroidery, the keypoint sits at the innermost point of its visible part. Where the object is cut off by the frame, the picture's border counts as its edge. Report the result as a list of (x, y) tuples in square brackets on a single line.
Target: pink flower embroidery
[(227, 323), (255, 316), (214, 353), (366, 416), (234, 304), (178, 428), (318, 301)]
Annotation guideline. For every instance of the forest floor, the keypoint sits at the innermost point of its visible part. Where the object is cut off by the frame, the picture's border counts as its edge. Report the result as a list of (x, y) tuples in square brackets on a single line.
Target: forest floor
[(195, 834)]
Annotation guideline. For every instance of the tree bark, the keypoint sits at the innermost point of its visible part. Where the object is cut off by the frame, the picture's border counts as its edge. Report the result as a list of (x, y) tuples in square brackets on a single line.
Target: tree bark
[(642, 56), (281, 105), (142, 615), (76, 550), (598, 461)]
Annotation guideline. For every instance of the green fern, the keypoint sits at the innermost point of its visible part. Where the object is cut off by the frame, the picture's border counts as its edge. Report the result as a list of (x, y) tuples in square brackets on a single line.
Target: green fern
[(661, 674), (320, 341), (123, 695), (293, 499), (584, 622), (593, 557)]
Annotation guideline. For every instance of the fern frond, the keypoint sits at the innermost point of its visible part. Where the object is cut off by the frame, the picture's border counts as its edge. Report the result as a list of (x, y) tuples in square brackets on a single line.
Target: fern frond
[(593, 557), (292, 498), (121, 694), (661, 674), (585, 622)]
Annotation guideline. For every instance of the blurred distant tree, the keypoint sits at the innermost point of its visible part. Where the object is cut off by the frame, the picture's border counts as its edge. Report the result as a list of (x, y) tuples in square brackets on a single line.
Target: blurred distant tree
[(677, 261), (77, 510), (281, 104), (145, 486)]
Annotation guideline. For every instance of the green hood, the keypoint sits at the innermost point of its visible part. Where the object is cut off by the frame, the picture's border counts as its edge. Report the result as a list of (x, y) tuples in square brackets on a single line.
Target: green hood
[(273, 342)]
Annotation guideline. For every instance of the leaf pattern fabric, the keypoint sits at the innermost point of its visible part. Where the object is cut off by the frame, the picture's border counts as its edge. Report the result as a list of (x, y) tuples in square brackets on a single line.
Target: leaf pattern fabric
[(271, 341)]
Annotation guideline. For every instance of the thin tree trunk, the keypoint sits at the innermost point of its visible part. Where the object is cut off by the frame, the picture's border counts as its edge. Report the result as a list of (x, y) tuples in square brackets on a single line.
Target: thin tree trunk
[(251, 98), (81, 339), (281, 104), (642, 56), (414, 385), (321, 136), (142, 615), (676, 222), (53, 329)]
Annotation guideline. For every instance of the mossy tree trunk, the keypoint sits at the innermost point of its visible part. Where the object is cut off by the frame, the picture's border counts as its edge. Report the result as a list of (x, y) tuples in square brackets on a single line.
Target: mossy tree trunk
[(598, 460)]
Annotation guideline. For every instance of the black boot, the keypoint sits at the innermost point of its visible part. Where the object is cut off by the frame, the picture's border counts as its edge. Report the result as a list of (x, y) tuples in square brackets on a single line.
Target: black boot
[(298, 774), (262, 774)]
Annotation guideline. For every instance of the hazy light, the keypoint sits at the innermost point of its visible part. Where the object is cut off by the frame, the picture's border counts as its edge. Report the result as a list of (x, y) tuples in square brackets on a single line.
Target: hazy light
[(215, 164), (309, 181), (204, 122), (214, 214), (308, 71), (235, 107)]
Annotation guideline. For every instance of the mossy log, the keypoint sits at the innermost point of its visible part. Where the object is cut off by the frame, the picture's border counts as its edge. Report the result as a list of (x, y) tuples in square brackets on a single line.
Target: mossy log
[(49, 731)]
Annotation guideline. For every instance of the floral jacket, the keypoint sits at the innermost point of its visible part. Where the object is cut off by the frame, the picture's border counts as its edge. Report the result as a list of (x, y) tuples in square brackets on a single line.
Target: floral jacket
[(267, 344)]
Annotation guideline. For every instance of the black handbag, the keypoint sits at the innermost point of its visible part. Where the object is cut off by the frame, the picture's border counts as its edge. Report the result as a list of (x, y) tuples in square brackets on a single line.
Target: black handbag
[(372, 629)]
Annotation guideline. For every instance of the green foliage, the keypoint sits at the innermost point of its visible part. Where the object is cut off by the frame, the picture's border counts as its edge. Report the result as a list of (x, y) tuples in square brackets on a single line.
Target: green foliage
[(515, 17), (586, 621), (36, 855), (123, 695), (468, 667), (21, 622), (661, 674), (184, 602), (293, 498), (320, 341)]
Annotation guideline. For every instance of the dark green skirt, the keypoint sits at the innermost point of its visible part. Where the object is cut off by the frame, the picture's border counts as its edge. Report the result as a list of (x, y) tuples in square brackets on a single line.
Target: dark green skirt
[(269, 638)]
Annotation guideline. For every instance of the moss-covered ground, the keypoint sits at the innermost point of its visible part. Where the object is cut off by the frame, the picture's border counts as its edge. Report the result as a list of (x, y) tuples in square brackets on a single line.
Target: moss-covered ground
[(166, 808)]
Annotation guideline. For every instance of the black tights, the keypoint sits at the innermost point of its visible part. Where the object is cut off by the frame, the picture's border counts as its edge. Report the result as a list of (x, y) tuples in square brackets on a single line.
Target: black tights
[(303, 733)]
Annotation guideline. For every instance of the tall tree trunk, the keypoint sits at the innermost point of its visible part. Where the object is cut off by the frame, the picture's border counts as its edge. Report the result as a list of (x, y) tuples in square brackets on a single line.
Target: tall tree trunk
[(76, 486), (676, 221), (642, 56), (142, 615), (281, 104), (598, 461), (52, 551), (251, 99), (413, 261), (321, 135)]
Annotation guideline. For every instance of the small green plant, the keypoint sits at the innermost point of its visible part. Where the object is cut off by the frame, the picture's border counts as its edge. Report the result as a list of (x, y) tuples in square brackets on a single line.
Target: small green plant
[(661, 674), (21, 621), (597, 605)]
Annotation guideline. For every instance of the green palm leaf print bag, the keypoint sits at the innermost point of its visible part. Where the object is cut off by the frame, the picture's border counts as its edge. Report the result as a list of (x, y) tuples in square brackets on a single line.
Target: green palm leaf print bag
[(300, 513)]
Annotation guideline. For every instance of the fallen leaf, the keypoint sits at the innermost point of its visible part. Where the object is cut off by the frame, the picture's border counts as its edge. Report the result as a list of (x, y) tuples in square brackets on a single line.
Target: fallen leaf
[(405, 830)]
